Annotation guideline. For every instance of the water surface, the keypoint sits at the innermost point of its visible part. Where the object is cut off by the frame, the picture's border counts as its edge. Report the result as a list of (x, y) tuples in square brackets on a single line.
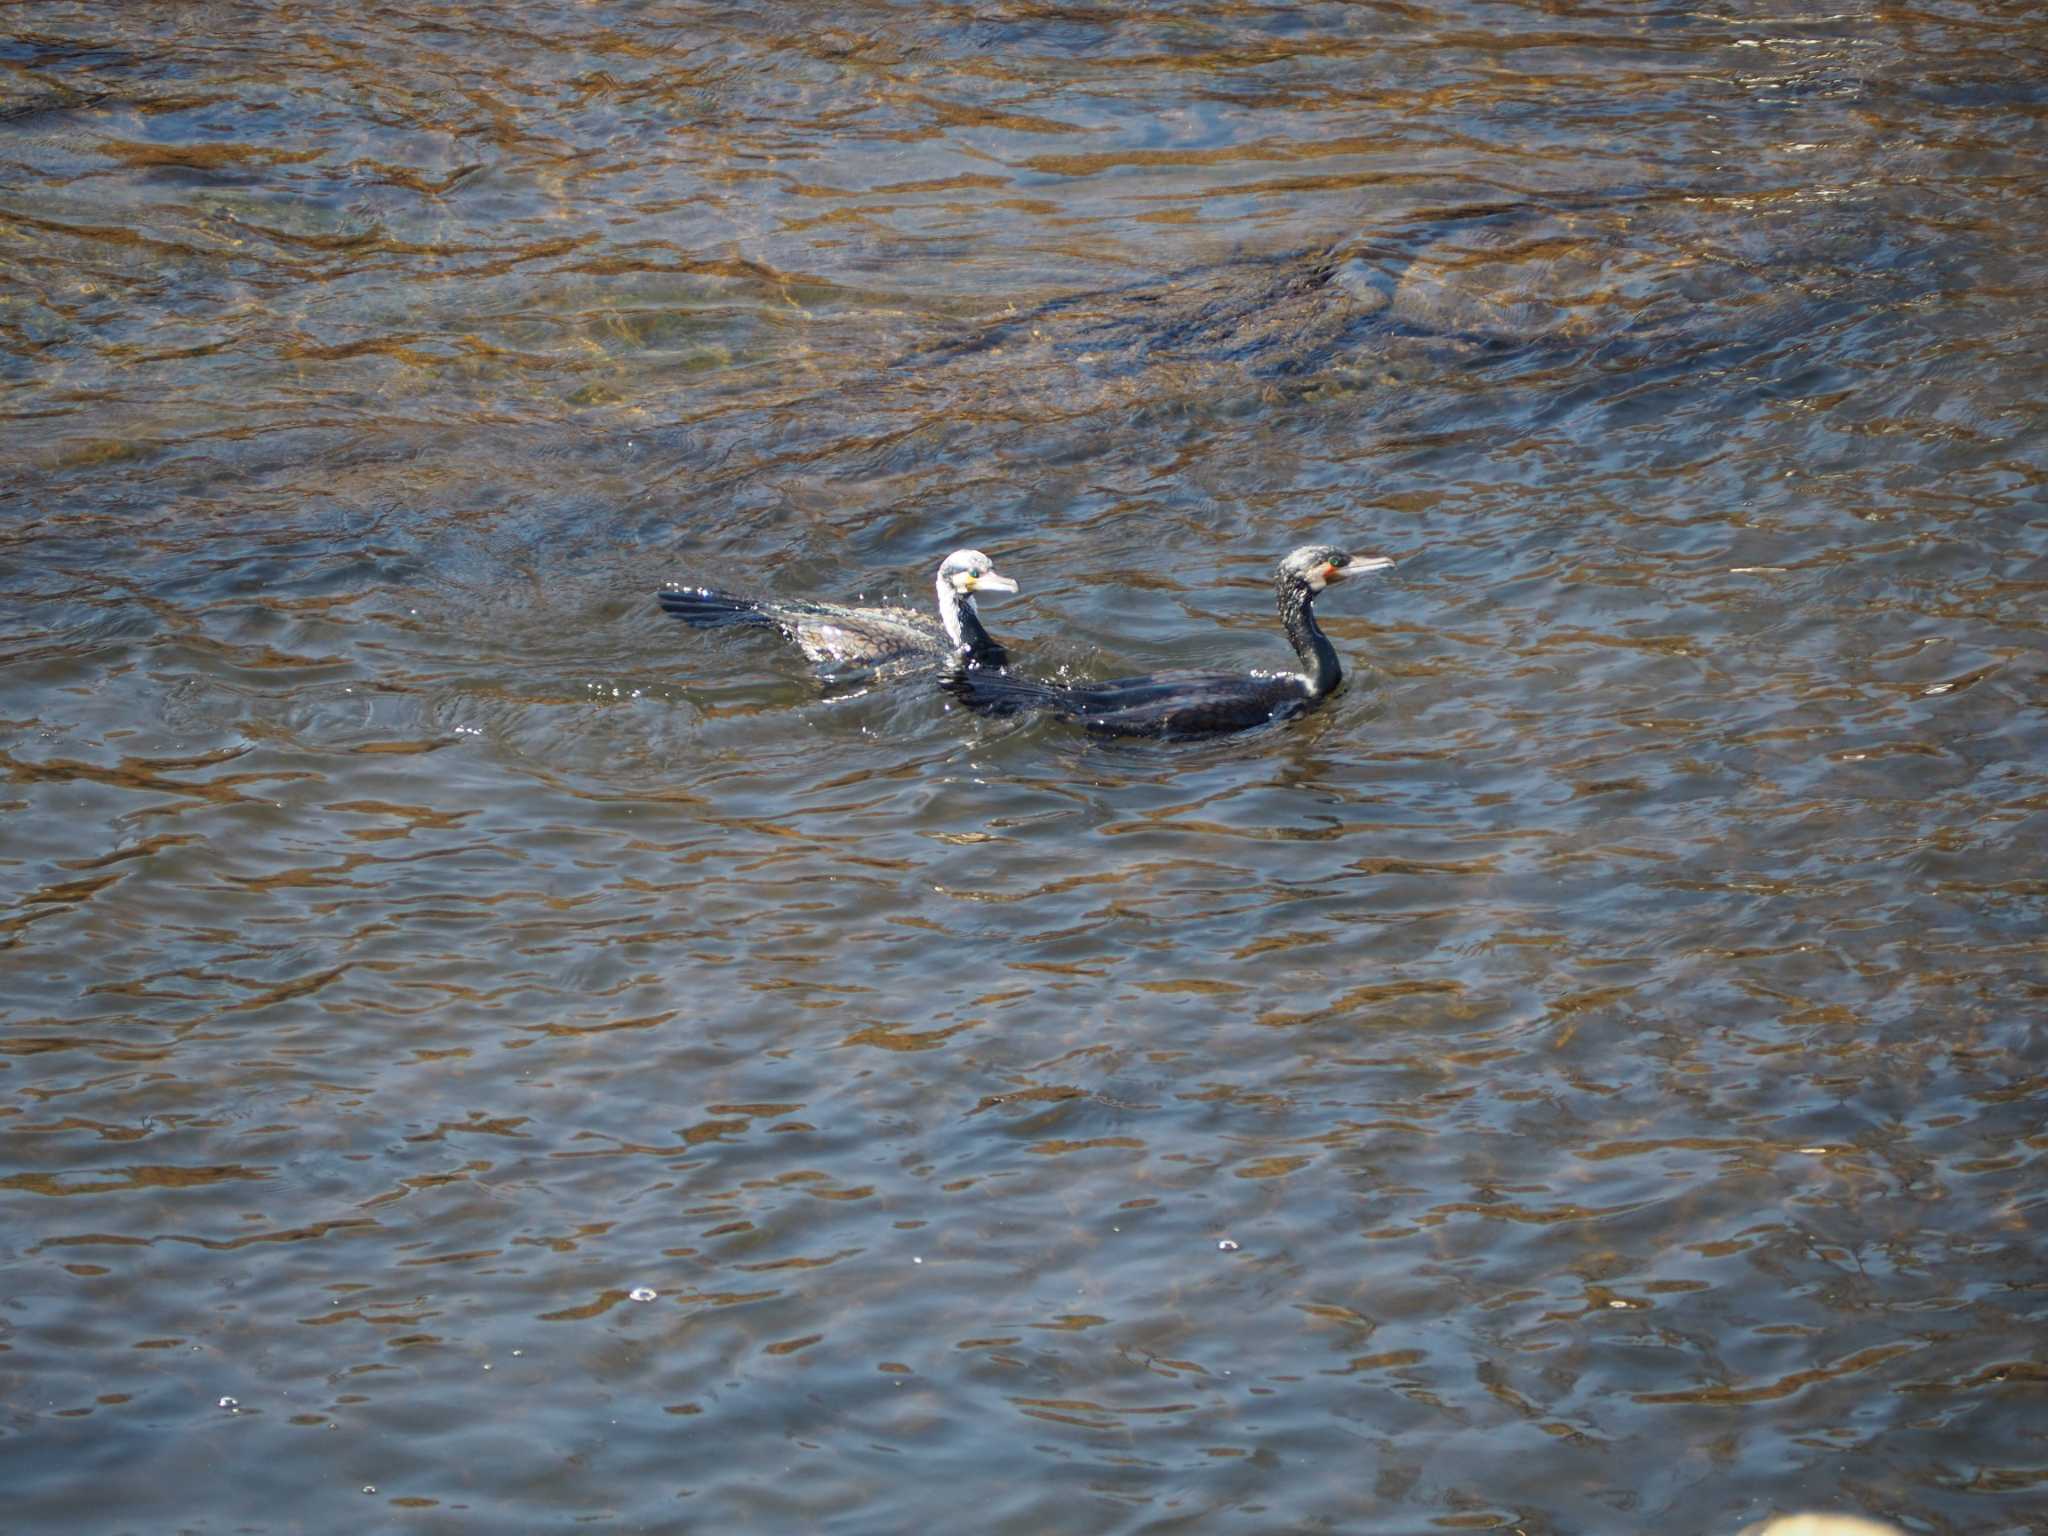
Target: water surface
[(1587, 1078)]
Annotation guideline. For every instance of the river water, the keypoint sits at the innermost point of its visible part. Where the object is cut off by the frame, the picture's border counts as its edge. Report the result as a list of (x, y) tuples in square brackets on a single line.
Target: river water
[(1589, 1077)]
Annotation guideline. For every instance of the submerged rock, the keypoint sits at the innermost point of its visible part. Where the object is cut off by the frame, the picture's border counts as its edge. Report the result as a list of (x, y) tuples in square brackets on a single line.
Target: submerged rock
[(1674, 273)]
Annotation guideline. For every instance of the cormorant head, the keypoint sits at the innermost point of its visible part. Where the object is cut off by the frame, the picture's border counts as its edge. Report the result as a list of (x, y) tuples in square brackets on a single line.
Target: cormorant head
[(1316, 566), (968, 571)]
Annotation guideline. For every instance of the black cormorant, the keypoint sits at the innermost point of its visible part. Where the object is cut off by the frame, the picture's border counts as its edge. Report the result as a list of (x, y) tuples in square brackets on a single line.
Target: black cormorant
[(1176, 704), (840, 635)]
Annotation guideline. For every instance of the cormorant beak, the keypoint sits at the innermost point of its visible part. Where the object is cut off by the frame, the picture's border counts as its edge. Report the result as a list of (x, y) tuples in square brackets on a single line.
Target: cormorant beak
[(988, 583), (1330, 572)]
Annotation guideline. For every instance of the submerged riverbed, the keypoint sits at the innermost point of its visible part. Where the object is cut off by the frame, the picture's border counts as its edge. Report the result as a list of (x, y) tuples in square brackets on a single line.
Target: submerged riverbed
[(474, 1051)]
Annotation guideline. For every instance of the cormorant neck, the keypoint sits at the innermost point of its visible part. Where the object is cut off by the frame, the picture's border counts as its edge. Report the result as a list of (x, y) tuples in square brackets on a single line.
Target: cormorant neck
[(1297, 613), (971, 643)]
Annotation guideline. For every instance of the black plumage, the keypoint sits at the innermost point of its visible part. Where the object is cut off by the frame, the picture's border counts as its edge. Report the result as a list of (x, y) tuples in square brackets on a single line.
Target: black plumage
[(1191, 703)]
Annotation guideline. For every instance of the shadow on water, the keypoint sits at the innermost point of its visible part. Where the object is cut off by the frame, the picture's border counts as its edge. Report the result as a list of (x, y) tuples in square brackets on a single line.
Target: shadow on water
[(476, 1050)]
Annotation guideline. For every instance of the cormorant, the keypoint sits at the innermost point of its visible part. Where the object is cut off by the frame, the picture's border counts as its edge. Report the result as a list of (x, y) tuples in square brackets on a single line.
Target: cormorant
[(1176, 704), (838, 634)]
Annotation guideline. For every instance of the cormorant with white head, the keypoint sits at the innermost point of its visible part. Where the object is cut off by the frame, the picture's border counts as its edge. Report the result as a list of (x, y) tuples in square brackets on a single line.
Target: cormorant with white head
[(843, 635)]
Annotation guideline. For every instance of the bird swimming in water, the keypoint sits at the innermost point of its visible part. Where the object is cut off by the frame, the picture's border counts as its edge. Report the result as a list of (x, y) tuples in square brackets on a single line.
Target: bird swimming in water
[(842, 635), (1180, 704)]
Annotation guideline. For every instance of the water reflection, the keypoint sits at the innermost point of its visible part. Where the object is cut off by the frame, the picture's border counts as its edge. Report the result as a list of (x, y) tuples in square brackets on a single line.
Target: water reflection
[(1606, 1027)]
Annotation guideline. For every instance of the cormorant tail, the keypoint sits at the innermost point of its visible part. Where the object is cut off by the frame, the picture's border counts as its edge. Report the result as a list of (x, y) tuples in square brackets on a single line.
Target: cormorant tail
[(707, 609)]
